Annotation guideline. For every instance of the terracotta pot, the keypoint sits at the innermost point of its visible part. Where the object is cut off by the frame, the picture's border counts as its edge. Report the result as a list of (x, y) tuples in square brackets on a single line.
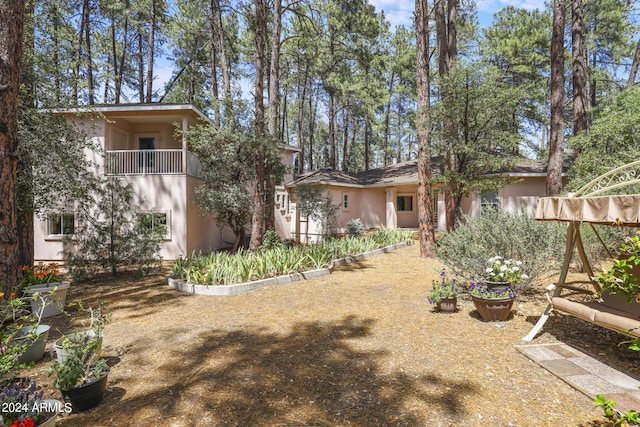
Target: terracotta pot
[(493, 309), (448, 305)]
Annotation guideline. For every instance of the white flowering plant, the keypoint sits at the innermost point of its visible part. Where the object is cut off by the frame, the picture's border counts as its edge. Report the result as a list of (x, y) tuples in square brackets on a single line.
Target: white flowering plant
[(505, 270)]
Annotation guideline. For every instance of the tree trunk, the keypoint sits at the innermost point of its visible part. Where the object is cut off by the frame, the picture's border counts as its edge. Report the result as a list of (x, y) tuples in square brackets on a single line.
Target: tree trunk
[(634, 66), (345, 141), (554, 168), (423, 80), (140, 67), (11, 35), (332, 131), (216, 18), (214, 66), (257, 224), (86, 10), (151, 53), (24, 172), (274, 111), (580, 98), (441, 38)]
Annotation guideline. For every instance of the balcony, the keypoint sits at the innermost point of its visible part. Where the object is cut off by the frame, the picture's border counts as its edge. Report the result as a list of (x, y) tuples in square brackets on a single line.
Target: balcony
[(151, 162)]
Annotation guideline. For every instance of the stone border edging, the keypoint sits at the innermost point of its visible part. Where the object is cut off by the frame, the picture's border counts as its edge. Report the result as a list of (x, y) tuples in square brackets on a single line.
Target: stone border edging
[(241, 288)]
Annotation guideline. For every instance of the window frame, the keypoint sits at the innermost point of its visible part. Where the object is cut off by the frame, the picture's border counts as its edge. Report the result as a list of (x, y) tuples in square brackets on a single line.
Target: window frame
[(404, 196), (346, 201), (153, 212), (63, 228)]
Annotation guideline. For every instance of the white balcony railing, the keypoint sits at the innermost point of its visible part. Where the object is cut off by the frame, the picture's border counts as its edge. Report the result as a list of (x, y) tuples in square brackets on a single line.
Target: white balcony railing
[(144, 162)]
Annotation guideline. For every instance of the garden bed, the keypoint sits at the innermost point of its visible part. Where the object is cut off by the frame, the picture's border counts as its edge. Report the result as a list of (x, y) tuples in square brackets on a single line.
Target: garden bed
[(240, 288)]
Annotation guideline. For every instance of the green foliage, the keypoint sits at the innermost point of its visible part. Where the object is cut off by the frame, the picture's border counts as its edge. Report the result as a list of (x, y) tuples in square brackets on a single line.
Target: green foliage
[(111, 235), (54, 170), (613, 139), (619, 419), (355, 227), (223, 268), (518, 43), (539, 245), (227, 157), (619, 278), (444, 288)]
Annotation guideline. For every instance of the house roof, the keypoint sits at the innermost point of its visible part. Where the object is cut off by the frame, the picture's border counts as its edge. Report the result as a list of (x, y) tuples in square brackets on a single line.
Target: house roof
[(405, 173), (133, 112)]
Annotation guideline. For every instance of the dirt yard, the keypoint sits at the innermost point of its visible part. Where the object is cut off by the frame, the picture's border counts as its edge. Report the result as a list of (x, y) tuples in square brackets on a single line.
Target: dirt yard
[(361, 347)]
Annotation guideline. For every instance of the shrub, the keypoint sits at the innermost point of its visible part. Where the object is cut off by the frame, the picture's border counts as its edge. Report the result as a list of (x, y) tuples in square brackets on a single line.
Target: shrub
[(539, 245), (355, 227)]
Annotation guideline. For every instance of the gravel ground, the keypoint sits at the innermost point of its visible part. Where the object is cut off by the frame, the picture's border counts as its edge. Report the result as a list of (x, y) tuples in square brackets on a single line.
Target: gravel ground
[(361, 347)]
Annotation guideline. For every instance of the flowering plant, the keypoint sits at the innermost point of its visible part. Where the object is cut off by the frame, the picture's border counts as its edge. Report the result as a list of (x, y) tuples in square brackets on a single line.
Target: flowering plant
[(505, 270), (42, 273), (444, 288), (20, 403), (482, 291)]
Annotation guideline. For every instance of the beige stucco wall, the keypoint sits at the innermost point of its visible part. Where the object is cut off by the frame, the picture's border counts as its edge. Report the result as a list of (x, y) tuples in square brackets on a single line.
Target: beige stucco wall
[(123, 135), (203, 234)]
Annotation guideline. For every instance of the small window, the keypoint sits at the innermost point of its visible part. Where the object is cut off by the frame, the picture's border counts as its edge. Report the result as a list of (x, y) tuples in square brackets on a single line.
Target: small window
[(155, 221), (345, 201), (489, 200), (404, 203), (61, 224)]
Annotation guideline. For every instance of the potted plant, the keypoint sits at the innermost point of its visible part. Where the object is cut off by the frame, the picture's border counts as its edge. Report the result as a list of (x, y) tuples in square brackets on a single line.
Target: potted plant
[(23, 405), (91, 336), (21, 330), (444, 293), (493, 304), (82, 377), (45, 279), (502, 273)]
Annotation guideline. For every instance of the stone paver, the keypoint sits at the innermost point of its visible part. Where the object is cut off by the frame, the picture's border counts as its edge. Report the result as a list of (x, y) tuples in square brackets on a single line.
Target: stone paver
[(586, 374)]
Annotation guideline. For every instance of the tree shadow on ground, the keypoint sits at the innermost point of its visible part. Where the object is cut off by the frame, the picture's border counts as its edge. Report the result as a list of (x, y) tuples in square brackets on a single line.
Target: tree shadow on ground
[(314, 375)]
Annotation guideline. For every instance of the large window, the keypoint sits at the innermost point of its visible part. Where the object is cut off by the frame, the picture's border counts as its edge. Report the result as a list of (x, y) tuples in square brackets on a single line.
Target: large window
[(62, 224), (404, 203), (156, 221)]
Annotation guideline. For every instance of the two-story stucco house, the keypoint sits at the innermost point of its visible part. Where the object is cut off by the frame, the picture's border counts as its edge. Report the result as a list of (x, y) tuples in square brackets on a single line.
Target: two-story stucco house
[(140, 146)]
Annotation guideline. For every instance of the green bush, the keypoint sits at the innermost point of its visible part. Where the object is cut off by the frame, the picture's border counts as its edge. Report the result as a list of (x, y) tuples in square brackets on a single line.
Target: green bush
[(539, 245), (355, 227)]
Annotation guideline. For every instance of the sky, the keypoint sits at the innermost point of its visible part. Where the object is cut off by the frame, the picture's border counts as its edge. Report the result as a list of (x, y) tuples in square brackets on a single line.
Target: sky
[(400, 12)]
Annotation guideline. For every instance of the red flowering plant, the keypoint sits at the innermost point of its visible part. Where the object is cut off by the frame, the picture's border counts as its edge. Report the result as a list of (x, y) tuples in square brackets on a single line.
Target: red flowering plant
[(39, 274), (20, 400)]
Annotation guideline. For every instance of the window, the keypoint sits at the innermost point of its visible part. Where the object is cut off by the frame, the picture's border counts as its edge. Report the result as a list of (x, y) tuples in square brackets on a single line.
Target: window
[(345, 201), (155, 221), (61, 224), (489, 200), (404, 203)]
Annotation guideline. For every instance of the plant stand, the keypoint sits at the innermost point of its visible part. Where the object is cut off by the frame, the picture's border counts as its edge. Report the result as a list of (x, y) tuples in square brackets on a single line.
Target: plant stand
[(493, 309), (448, 305)]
